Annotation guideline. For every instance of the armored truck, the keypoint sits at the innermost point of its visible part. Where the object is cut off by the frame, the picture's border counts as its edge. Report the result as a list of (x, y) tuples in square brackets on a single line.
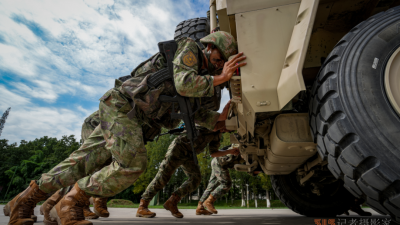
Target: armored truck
[(317, 106)]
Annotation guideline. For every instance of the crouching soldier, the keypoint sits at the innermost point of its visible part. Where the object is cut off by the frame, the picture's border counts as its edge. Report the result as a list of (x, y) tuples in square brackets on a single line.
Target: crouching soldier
[(220, 182)]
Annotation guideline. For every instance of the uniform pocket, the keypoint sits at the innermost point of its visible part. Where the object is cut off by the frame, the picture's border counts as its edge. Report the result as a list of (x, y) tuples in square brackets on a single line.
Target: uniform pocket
[(130, 131)]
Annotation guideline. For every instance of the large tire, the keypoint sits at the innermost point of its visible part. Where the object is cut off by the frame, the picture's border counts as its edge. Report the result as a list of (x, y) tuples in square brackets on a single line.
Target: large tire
[(351, 117), (196, 29), (334, 199)]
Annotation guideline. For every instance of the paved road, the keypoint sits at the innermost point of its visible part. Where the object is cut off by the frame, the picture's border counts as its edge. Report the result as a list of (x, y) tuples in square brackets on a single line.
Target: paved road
[(224, 216)]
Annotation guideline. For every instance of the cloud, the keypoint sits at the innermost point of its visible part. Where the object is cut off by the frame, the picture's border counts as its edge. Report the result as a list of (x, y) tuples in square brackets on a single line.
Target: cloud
[(28, 123), (57, 58), (9, 98)]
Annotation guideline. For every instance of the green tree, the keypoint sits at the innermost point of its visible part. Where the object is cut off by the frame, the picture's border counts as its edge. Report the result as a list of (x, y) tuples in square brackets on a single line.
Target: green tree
[(267, 186), (30, 159)]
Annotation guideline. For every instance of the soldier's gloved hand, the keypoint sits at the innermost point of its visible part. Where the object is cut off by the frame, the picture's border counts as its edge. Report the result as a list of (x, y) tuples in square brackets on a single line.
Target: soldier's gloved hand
[(220, 125), (224, 130), (224, 115), (229, 68), (235, 151)]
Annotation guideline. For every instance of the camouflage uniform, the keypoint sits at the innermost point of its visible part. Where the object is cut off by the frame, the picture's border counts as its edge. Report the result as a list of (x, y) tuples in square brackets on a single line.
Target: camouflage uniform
[(124, 110), (90, 123), (220, 181), (88, 126), (180, 154)]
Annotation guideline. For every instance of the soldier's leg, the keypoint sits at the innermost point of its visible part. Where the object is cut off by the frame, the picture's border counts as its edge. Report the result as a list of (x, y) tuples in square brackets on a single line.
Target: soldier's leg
[(212, 184), (100, 204), (124, 140), (173, 159), (46, 207), (224, 184), (225, 181), (79, 164), (192, 171), (76, 166)]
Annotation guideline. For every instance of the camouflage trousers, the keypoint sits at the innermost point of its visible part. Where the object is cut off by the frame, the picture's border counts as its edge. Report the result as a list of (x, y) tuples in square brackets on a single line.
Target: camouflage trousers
[(177, 156), (118, 137), (220, 182)]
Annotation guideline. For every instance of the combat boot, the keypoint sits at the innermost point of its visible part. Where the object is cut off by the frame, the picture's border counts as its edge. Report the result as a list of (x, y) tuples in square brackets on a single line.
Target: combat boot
[(34, 217), (143, 210), (69, 210), (6, 209), (172, 205), (21, 207), (100, 207), (48, 205), (209, 204), (201, 210), (89, 215)]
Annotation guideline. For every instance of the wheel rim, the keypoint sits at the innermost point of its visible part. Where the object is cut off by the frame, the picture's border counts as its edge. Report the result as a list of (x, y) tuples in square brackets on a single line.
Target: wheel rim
[(392, 80)]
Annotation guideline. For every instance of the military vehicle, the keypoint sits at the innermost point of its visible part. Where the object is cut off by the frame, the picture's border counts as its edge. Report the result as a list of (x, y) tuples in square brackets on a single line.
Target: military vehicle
[(318, 105)]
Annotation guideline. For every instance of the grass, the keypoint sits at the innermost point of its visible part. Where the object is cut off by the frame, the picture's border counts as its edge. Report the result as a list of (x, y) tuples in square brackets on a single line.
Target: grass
[(221, 204)]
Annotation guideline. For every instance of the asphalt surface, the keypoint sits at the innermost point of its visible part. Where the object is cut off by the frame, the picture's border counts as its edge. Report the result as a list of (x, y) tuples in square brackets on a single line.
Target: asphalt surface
[(224, 216)]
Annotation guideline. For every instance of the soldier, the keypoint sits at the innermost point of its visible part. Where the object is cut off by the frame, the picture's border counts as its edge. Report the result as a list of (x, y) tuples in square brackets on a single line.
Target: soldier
[(123, 111), (220, 182), (180, 154), (100, 204)]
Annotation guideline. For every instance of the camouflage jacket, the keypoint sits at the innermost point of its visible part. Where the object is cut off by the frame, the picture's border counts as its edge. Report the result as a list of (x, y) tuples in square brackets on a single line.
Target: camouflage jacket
[(187, 81)]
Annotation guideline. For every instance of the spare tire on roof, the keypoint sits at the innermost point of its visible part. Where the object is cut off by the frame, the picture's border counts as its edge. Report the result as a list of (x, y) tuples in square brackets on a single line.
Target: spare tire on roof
[(196, 29)]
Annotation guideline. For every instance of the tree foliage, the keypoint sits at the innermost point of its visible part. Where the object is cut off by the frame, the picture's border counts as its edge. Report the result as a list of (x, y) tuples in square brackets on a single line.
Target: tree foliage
[(27, 161)]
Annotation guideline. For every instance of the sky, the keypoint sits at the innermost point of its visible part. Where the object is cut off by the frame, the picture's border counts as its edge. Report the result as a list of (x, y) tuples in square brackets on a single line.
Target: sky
[(57, 58)]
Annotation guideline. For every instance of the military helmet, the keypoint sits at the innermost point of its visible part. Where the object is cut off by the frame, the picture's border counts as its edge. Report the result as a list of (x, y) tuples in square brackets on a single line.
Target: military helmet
[(224, 42)]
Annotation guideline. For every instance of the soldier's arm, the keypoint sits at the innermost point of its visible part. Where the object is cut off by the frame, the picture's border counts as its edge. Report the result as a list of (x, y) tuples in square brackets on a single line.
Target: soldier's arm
[(187, 82), (206, 118), (215, 143), (233, 151)]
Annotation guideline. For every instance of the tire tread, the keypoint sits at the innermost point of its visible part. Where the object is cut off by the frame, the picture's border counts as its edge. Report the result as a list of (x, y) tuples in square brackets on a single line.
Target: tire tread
[(336, 139)]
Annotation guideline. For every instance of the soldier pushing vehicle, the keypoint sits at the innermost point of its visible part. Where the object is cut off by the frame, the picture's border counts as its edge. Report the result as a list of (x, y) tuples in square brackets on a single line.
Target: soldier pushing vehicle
[(123, 111)]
